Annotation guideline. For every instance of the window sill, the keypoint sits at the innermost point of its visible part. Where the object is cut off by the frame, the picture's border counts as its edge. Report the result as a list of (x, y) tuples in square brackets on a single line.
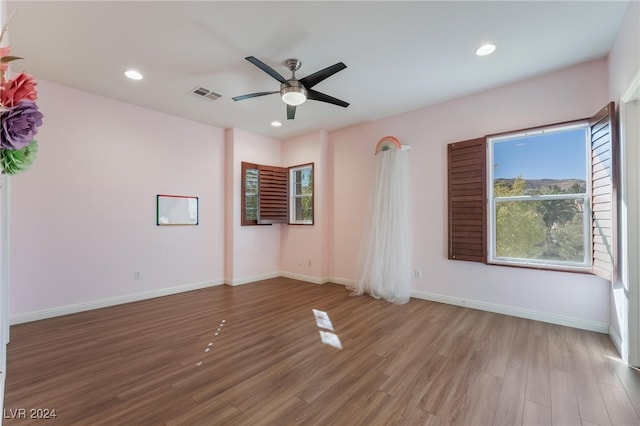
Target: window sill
[(543, 267)]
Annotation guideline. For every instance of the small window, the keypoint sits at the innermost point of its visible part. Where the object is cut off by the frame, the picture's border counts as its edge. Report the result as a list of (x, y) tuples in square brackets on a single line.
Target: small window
[(301, 197), (271, 194), (249, 196), (539, 203)]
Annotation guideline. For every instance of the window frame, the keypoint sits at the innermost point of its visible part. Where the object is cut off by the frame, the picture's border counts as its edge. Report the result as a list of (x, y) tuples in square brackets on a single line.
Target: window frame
[(293, 196), (492, 201)]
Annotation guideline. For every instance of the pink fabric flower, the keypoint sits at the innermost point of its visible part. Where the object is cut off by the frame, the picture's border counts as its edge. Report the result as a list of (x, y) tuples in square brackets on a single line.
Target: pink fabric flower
[(4, 51), (22, 86)]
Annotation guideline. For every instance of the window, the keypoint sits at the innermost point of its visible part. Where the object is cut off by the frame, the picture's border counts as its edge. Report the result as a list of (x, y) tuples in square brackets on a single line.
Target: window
[(265, 197), (502, 211), (301, 198), (249, 197), (538, 200)]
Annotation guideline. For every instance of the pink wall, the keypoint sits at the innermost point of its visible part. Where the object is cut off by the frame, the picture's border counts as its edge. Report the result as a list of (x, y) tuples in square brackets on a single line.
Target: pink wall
[(83, 217), (304, 248), (572, 93), (254, 253)]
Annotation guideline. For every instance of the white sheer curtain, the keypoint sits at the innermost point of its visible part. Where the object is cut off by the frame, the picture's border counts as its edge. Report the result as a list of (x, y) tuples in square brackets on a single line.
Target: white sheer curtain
[(385, 263)]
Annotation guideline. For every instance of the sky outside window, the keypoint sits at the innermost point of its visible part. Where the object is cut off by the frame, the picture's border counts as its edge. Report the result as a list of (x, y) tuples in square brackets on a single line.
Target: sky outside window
[(559, 155)]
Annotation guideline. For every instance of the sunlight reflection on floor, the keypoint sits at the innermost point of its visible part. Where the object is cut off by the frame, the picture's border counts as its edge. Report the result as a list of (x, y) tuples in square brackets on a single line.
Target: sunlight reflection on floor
[(210, 344), (327, 337)]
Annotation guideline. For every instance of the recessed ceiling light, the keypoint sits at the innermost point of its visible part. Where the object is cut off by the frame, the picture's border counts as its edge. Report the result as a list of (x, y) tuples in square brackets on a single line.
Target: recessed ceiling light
[(486, 49), (276, 123), (133, 74)]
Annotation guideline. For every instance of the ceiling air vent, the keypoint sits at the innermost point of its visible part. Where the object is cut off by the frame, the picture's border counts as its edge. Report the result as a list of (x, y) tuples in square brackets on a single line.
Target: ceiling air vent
[(207, 94)]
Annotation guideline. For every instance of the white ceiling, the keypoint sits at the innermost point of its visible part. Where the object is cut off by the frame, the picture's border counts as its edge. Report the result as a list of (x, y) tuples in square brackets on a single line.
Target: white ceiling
[(400, 56)]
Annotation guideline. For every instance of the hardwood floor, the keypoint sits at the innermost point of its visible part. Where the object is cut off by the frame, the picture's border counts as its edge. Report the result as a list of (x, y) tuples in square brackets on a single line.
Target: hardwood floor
[(252, 355)]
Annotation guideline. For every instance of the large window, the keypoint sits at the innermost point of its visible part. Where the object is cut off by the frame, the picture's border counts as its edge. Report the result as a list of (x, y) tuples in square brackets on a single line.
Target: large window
[(543, 197), (539, 203), (272, 194)]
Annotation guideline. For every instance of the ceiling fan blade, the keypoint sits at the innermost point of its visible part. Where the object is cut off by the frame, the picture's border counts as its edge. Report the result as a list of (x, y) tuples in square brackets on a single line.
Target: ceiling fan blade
[(315, 78), (317, 96), (291, 112), (254, 95), (266, 68)]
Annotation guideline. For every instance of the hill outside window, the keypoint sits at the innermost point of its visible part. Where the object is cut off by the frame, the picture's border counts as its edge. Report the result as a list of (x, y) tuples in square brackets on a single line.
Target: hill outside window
[(514, 199)]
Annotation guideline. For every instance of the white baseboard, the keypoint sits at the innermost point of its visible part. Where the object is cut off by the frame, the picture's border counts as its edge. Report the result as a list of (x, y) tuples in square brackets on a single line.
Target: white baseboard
[(292, 275), (515, 312), (306, 278), (617, 340), (97, 304), (248, 280), (341, 281)]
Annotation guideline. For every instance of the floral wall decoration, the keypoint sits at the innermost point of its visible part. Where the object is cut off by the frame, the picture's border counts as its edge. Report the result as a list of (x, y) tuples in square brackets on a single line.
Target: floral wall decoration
[(19, 116)]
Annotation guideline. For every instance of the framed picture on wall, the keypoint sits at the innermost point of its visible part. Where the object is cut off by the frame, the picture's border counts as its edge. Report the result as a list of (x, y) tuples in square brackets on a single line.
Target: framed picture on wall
[(176, 210)]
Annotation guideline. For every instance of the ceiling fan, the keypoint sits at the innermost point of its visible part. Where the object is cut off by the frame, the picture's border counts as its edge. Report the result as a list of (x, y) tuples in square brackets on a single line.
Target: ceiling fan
[(295, 92)]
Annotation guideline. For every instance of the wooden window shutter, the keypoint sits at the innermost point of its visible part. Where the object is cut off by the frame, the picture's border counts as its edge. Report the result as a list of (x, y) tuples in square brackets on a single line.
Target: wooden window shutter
[(467, 200), (273, 194), (604, 152)]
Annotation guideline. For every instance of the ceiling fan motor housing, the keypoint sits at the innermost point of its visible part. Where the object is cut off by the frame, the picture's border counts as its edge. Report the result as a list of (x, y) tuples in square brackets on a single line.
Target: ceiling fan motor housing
[(293, 64)]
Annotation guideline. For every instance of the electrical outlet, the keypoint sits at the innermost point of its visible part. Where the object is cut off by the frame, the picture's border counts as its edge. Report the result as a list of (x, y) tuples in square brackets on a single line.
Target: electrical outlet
[(136, 275), (417, 274), (309, 263)]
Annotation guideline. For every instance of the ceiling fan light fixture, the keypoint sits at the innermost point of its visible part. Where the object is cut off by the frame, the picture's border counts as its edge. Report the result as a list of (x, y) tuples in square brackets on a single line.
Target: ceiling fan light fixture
[(294, 95)]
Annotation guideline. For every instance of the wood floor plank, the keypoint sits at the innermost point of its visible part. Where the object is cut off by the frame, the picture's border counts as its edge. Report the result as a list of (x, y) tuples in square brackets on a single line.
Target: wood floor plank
[(285, 411), (448, 378), (501, 350), (349, 400), (585, 378), (536, 415), (619, 406), (481, 400), (204, 413), (564, 402), (462, 398), (538, 389), (520, 350), (417, 380), (359, 407), (252, 355), (630, 379), (559, 352), (510, 409)]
